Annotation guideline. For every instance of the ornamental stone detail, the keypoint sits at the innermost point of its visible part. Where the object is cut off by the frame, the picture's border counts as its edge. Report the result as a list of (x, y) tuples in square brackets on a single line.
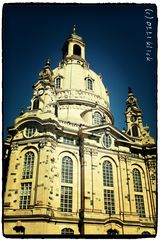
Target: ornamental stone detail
[(91, 151), (79, 94), (14, 146)]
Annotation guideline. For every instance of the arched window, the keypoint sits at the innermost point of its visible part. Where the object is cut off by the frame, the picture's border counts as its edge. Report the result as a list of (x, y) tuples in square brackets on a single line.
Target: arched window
[(90, 84), (112, 232), (137, 180), (77, 50), (146, 233), (30, 130), (58, 82), (67, 170), (109, 203), (28, 165), (135, 131), (19, 229), (139, 201), (67, 231), (107, 174), (36, 103), (97, 118)]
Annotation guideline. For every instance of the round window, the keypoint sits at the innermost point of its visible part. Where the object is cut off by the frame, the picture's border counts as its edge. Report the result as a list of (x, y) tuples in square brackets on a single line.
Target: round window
[(107, 140), (30, 131)]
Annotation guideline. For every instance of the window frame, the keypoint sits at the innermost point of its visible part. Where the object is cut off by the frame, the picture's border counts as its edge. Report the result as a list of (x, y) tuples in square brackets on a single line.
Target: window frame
[(107, 140), (25, 195), (58, 82), (109, 201), (67, 231), (30, 131), (90, 84), (28, 165), (97, 118), (68, 140), (140, 206), (137, 181), (66, 198), (107, 174), (67, 170)]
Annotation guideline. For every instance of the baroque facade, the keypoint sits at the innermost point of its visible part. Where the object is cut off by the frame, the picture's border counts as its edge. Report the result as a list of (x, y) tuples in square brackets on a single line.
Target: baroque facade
[(70, 170)]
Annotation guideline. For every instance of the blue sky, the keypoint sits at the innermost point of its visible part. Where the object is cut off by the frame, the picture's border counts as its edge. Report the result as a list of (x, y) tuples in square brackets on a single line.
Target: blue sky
[(115, 37)]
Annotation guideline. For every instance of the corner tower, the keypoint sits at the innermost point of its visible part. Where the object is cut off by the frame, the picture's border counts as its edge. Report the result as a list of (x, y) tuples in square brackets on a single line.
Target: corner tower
[(133, 114)]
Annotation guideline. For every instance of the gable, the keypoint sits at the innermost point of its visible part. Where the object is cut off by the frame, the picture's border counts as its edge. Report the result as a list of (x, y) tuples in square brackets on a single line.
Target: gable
[(97, 131)]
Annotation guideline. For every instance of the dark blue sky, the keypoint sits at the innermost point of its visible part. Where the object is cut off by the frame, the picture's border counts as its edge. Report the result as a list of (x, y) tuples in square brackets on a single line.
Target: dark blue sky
[(115, 37)]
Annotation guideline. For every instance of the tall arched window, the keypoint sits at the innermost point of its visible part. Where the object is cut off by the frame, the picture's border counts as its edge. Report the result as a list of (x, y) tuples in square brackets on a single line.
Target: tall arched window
[(58, 82), (36, 103), (67, 170), (135, 131), (66, 190), (90, 84), (97, 118), (28, 165), (137, 180), (107, 174), (139, 201), (109, 202), (67, 231), (77, 50)]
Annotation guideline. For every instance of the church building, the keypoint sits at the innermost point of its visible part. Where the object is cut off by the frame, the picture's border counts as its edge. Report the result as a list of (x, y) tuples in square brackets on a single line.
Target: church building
[(70, 171)]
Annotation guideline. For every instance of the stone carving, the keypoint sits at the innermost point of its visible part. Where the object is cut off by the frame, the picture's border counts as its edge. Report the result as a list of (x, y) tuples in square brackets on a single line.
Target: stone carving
[(152, 168), (14, 146), (89, 150), (79, 94)]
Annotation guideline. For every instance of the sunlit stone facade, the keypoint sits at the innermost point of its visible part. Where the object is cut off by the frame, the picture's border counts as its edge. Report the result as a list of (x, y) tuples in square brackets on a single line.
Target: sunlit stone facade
[(71, 171)]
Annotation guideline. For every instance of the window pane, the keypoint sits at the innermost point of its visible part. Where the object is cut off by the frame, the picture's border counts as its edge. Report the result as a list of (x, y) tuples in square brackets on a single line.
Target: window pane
[(58, 82), (97, 118), (67, 170), (112, 232), (68, 140), (66, 199), (90, 84), (107, 174), (29, 131), (28, 165), (107, 141), (137, 180), (109, 201), (67, 231), (25, 195), (140, 205)]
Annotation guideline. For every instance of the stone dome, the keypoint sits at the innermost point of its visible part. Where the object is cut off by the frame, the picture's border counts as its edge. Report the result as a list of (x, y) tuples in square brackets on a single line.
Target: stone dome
[(80, 92)]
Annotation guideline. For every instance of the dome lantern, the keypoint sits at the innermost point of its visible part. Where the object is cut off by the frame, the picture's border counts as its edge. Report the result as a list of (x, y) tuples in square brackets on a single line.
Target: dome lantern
[(74, 47)]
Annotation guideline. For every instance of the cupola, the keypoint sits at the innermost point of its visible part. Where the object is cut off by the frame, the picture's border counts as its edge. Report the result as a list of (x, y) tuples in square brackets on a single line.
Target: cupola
[(74, 47)]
